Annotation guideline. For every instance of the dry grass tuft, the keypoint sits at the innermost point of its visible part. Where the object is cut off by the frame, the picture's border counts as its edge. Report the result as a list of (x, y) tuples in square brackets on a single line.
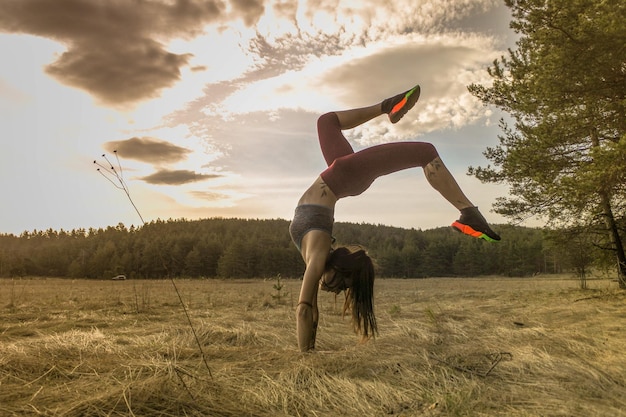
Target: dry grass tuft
[(448, 347)]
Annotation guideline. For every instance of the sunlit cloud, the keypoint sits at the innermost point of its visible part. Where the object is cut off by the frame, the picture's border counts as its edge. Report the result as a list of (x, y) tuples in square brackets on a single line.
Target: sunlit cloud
[(211, 104), (176, 177), (209, 196), (443, 64)]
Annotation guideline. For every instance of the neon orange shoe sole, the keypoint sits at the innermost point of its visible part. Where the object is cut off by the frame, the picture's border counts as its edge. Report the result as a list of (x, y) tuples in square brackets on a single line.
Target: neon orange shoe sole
[(404, 105), (468, 230)]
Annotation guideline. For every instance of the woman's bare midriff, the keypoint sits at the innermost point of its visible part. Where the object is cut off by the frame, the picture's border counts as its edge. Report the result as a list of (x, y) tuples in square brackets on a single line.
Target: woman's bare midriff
[(319, 193)]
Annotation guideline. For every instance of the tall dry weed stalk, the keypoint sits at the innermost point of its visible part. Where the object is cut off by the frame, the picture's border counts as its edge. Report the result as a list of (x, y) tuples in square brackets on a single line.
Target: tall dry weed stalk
[(116, 177)]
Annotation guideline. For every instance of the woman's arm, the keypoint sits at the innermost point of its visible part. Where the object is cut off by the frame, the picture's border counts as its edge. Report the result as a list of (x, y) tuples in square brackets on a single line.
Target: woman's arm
[(315, 250), (306, 327), (307, 313)]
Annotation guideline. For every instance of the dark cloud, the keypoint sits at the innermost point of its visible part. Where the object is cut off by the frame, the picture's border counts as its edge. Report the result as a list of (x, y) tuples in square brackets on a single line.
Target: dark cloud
[(139, 71), (149, 150), (176, 177), (113, 50), (250, 10)]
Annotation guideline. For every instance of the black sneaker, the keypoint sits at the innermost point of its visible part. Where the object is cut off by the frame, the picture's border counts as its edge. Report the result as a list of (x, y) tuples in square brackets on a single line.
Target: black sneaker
[(397, 106), (472, 223)]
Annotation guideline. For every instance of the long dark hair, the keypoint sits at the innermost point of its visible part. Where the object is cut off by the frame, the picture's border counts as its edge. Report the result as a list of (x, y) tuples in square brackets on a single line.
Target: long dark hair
[(354, 263)]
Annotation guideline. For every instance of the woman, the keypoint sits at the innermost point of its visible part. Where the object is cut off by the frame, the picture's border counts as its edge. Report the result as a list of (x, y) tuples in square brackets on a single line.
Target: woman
[(350, 173)]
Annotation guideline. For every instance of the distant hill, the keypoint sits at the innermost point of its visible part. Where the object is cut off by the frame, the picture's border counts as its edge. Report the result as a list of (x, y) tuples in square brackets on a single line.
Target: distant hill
[(243, 248)]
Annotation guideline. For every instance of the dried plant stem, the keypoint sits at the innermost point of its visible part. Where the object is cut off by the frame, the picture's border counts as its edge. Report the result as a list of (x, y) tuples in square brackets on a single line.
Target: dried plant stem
[(116, 177)]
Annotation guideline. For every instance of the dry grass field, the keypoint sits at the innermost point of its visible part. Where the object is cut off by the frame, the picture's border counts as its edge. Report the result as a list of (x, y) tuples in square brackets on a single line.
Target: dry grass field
[(447, 347)]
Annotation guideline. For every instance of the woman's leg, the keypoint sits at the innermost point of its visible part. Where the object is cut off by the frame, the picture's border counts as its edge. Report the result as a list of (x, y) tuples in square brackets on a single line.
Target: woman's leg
[(352, 174), (471, 221), (352, 118), (442, 180), (329, 126)]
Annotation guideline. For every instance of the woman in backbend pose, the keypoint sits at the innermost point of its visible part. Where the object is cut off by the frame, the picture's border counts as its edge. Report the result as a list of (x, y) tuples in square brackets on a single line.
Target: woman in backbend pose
[(350, 173)]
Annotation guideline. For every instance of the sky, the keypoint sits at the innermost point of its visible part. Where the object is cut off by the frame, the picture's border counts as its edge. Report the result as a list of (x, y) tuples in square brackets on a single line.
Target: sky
[(207, 108)]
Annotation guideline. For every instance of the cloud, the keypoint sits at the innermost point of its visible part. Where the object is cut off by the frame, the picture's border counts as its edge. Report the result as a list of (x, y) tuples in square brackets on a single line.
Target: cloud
[(208, 196), (177, 177), (443, 64), (136, 72), (342, 54), (148, 150), (114, 48), (285, 9), (117, 50), (250, 10)]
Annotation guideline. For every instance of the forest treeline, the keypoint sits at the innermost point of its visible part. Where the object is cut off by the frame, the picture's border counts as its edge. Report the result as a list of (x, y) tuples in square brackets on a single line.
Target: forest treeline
[(240, 248)]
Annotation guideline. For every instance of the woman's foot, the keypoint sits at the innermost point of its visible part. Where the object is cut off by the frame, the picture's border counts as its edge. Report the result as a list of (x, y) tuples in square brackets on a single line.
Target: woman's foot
[(473, 223), (397, 106)]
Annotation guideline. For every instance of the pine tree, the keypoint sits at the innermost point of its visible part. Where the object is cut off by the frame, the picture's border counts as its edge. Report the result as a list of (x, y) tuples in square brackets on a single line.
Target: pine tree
[(565, 87)]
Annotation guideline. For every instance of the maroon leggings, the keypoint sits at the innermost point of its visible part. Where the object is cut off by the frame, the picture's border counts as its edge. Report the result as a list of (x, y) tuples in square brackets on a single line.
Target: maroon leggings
[(351, 173)]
